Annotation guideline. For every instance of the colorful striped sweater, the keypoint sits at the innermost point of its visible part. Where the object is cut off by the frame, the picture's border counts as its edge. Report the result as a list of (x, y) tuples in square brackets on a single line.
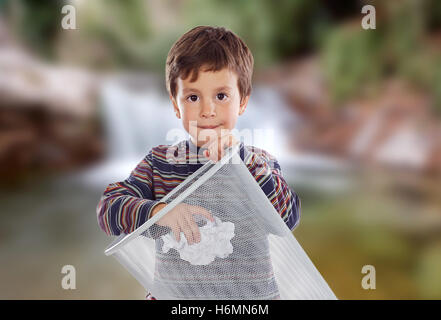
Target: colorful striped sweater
[(127, 204)]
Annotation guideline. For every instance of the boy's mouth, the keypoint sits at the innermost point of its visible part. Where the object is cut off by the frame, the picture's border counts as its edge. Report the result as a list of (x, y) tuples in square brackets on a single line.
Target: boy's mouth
[(208, 127)]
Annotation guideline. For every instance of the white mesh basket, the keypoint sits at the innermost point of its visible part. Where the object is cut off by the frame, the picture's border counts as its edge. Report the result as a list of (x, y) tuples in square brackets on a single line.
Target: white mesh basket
[(247, 252)]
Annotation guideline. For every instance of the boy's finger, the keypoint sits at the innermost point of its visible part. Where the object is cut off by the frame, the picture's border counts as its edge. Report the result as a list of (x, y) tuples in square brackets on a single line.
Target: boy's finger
[(219, 150), (208, 154), (201, 211), (220, 147), (226, 141), (193, 228), (213, 154), (176, 233), (185, 227)]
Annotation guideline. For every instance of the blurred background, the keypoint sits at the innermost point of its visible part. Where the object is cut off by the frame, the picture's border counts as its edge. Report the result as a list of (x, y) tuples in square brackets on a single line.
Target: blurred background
[(355, 117)]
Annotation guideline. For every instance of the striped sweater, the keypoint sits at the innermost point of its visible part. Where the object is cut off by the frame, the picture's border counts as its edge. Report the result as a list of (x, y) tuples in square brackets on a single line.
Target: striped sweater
[(127, 204), (247, 272)]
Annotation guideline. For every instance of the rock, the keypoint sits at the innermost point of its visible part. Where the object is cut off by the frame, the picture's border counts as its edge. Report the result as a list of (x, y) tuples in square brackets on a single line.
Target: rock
[(48, 114)]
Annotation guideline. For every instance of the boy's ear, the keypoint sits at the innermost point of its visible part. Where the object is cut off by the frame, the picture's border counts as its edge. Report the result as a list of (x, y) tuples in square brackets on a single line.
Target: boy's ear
[(243, 104), (175, 107)]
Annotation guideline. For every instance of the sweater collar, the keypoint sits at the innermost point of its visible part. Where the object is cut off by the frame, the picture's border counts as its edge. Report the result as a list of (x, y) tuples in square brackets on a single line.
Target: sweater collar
[(192, 148)]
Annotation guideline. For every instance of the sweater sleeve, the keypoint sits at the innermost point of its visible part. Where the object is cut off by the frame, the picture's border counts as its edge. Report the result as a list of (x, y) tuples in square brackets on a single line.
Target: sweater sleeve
[(126, 205), (267, 172)]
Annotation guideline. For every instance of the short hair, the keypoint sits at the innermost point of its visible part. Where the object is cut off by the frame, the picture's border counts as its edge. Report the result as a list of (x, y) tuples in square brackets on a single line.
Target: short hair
[(213, 47)]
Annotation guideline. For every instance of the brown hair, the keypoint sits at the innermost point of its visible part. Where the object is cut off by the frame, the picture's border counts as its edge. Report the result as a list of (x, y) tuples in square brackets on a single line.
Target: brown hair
[(213, 47)]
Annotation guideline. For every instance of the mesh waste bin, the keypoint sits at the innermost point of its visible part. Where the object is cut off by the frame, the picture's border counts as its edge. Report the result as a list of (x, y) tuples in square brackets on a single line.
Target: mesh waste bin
[(244, 250)]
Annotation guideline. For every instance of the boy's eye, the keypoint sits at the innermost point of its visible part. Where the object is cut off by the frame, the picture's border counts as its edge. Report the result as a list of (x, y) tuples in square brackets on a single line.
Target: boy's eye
[(221, 96), (193, 97)]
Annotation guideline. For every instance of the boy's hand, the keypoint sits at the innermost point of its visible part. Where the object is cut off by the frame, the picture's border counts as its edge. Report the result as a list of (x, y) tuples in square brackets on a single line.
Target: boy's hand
[(180, 218), (216, 149)]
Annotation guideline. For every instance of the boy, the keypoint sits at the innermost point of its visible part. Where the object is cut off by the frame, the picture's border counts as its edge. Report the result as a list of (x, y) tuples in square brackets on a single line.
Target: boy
[(208, 77)]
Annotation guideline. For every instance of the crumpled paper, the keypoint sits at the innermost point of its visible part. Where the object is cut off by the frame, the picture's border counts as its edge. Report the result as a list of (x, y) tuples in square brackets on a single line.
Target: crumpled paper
[(215, 242)]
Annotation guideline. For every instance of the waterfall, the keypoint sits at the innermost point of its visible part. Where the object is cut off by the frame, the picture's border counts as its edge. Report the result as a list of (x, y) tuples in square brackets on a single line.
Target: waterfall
[(135, 120)]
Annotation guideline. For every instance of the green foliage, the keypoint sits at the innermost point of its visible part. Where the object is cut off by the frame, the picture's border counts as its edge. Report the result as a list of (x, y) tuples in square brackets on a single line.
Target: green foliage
[(357, 60), (121, 27), (351, 60), (37, 22), (405, 45), (273, 30), (251, 20)]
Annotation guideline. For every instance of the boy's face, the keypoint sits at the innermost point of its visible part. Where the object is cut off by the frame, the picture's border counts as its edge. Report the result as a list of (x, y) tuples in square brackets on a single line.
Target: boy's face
[(210, 105)]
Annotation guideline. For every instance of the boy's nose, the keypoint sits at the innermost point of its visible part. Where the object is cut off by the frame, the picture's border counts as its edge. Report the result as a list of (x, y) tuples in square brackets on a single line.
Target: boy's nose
[(208, 111)]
